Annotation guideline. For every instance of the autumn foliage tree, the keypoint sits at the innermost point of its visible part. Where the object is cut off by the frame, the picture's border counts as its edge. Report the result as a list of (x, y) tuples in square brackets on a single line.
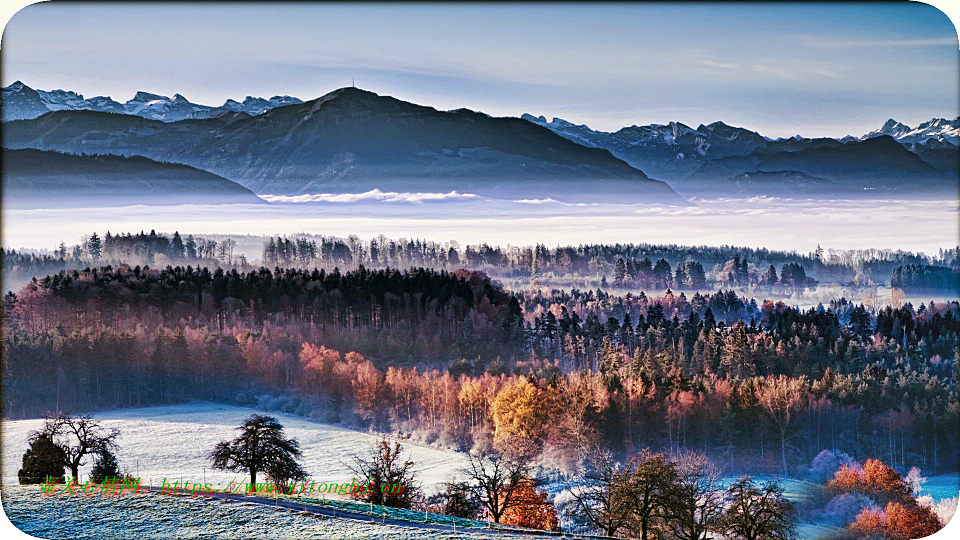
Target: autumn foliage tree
[(902, 517), (531, 508), (521, 416), (897, 522), (875, 479)]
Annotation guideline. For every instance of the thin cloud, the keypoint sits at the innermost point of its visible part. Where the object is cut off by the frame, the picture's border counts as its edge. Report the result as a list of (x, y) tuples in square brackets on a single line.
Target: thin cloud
[(774, 71), (721, 65), (780, 72), (846, 44), (826, 73), (372, 195)]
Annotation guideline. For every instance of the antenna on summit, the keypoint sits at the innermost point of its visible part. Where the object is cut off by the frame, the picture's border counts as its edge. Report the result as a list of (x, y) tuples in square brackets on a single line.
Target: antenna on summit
[(353, 82)]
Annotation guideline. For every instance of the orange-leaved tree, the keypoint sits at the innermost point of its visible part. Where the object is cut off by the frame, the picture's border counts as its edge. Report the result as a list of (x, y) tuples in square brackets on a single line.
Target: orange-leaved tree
[(532, 509), (875, 479), (897, 522)]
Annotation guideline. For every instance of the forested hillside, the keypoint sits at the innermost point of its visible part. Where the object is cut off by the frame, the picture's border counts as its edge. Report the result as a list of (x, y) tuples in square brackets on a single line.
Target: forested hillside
[(452, 357), (45, 179)]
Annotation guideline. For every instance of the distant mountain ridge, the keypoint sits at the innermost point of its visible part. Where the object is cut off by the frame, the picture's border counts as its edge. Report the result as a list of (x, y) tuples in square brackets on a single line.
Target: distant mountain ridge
[(46, 179), (352, 140), (937, 129), (894, 158), (20, 102)]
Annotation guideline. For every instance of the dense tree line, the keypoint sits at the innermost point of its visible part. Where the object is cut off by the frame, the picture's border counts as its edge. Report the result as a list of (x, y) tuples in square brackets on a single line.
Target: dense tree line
[(925, 277), (643, 266)]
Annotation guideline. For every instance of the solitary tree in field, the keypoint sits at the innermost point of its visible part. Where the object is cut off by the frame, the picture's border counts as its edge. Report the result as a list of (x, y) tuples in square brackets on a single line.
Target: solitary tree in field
[(260, 447)]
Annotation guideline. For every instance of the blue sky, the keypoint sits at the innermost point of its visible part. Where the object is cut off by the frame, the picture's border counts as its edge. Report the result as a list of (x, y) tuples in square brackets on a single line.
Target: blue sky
[(813, 69)]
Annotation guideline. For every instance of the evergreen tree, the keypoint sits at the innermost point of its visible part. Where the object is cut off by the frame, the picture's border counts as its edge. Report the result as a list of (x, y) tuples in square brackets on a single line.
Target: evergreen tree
[(176, 246), (43, 461), (680, 279), (190, 248), (619, 272), (770, 278), (662, 272), (94, 247)]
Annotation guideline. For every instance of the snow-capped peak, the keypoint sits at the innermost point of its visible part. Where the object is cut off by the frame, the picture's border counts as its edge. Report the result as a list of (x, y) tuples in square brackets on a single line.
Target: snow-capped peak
[(16, 86), (939, 129), (22, 102), (145, 97)]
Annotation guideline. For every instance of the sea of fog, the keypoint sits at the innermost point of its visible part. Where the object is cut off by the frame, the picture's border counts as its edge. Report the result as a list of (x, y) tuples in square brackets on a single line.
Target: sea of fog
[(776, 223)]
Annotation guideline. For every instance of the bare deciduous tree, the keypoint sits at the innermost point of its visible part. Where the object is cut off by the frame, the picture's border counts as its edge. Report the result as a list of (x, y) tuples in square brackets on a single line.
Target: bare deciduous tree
[(78, 437), (758, 513), (696, 506), (495, 480), (388, 478), (601, 494)]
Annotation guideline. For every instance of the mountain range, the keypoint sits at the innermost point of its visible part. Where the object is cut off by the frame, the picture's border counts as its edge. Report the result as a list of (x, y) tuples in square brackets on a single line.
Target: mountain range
[(353, 140), (44, 179), (20, 102)]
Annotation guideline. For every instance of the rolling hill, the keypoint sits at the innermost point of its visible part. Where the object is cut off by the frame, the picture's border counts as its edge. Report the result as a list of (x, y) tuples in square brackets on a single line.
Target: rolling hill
[(47, 179)]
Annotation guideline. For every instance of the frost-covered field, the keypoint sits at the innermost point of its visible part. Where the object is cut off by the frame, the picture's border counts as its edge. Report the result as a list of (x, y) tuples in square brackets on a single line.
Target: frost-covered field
[(157, 516), (172, 442)]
